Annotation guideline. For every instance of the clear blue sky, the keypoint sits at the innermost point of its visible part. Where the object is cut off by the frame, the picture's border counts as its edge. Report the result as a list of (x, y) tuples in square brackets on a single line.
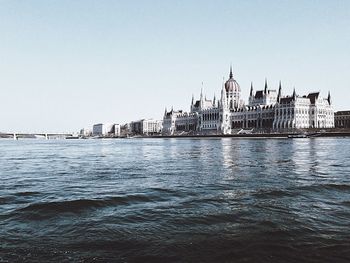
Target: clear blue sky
[(65, 65)]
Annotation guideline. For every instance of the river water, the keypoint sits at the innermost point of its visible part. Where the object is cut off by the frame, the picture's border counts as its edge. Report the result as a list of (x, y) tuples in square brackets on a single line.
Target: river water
[(175, 200)]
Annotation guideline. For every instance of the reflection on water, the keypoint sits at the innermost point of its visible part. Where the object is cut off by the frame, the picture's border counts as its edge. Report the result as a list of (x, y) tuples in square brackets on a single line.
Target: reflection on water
[(175, 200)]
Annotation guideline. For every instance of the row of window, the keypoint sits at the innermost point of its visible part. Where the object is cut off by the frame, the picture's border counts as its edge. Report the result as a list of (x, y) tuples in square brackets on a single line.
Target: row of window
[(205, 126)]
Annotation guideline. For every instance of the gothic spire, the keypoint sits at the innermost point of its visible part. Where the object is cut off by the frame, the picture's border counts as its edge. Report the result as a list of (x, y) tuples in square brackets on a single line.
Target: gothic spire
[(265, 89), (279, 92), (294, 94), (201, 97), (231, 74), (329, 98), (251, 89)]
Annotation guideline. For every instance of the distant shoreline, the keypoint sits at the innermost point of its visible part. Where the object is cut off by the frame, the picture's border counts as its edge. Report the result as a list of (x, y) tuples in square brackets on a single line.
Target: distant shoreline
[(258, 135), (203, 136)]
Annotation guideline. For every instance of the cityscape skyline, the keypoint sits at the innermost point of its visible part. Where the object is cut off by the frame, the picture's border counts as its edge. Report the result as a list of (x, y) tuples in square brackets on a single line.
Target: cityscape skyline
[(65, 66)]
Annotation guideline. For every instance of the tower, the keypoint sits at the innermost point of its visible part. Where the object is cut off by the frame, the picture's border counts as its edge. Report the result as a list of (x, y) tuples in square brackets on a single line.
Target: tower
[(279, 95), (251, 97), (329, 99), (233, 91)]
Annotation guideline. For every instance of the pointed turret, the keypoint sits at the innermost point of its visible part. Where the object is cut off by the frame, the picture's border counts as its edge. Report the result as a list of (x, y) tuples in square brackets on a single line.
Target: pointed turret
[(223, 101), (214, 101), (265, 89), (329, 98), (201, 97), (165, 112), (279, 92), (251, 89), (192, 100), (294, 93)]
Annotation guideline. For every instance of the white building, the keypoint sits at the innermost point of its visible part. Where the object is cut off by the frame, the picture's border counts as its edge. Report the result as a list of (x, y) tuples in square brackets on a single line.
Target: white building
[(103, 129), (85, 132), (179, 122), (267, 110), (146, 127), (117, 130), (299, 112)]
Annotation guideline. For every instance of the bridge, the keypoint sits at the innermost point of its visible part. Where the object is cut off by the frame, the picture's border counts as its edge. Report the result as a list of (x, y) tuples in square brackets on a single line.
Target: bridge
[(46, 136)]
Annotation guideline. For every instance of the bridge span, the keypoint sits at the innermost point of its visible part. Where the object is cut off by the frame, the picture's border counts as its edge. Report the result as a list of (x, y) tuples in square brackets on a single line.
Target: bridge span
[(46, 136)]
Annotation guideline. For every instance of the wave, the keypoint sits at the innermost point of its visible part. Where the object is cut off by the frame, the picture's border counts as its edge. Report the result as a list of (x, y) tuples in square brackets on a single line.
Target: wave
[(291, 192), (321, 187), (79, 205), (274, 193), (5, 199), (27, 193)]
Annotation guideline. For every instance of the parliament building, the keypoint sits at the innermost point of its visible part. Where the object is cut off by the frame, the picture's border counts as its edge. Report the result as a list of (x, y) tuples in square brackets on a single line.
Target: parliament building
[(267, 110)]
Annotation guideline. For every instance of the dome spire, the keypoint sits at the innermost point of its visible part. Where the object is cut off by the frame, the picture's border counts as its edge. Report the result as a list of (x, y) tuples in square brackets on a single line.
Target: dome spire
[(265, 89), (231, 75)]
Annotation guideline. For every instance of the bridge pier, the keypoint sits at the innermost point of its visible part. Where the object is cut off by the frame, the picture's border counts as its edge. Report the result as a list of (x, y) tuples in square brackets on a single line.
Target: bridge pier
[(15, 136), (46, 136)]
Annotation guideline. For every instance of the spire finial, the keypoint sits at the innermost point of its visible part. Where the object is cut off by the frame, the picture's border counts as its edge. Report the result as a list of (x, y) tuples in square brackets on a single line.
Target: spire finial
[(231, 74), (294, 93), (251, 88), (202, 90), (265, 89), (279, 92)]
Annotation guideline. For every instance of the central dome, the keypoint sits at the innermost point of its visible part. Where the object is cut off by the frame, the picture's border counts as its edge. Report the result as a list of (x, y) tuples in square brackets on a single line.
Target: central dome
[(231, 84)]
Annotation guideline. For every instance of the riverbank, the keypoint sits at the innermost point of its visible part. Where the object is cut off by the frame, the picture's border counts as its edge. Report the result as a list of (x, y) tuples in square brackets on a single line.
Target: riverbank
[(256, 135), (301, 134)]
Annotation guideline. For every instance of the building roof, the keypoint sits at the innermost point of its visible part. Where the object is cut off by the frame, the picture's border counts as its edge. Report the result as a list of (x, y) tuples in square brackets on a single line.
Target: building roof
[(286, 100), (313, 97), (259, 94), (344, 112), (231, 84)]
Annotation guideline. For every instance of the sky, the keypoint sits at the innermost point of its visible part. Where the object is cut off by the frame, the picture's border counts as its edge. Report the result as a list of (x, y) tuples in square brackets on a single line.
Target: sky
[(65, 65)]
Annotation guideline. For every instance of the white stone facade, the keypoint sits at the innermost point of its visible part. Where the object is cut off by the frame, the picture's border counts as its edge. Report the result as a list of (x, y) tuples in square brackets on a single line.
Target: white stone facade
[(179, 122), (146, 127), (304, 112), (267, 111)]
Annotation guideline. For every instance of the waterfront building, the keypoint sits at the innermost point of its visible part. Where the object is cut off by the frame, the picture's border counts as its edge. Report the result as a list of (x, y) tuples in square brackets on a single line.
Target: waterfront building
[(302, 112), (179, 122), (103, 129), (342, 119), (146, 127), (267, 110), (85, 132), (117, 129)]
